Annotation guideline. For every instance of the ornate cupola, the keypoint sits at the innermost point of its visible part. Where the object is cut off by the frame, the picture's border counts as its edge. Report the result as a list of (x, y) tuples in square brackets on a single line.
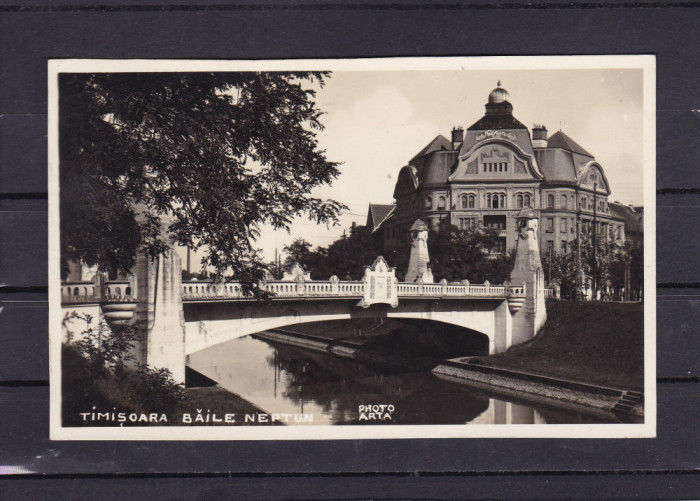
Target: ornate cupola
[(499, 112), (499, 101)]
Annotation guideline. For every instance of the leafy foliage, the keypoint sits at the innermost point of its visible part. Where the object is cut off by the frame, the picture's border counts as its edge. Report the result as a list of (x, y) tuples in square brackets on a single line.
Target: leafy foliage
[(105, 350), (454, 255), (202, 159), (98, 370), (346, 257), (611, 258), (457, 255)]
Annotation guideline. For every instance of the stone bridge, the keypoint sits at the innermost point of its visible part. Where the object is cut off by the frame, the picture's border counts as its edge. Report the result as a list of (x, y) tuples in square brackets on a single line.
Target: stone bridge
[(178, 318)]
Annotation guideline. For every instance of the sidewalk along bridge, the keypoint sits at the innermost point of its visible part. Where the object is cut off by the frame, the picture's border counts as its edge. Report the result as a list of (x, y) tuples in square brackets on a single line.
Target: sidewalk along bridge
[(177, 318)]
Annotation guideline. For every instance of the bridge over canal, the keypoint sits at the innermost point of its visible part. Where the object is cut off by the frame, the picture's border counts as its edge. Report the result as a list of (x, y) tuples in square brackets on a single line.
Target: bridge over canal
[(177, 318)]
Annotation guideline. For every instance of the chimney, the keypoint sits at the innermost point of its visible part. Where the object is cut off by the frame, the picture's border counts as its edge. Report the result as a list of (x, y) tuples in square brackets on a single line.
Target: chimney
[(539, 136), (457, 137)]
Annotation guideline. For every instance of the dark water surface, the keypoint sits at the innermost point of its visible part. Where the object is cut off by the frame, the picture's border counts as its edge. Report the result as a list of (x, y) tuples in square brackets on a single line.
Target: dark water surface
[(282, 379)]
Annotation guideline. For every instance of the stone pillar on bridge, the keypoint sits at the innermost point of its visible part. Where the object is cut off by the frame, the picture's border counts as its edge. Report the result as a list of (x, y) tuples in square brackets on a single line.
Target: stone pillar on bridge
[(159, 315), (419, 259), (527, 270)]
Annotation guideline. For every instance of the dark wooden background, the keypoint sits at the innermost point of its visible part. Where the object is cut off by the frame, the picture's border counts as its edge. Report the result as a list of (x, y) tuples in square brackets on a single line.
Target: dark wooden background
[(33, 32)]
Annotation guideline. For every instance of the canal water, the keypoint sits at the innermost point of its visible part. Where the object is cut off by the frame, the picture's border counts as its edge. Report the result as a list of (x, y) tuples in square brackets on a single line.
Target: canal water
[(331, 390)]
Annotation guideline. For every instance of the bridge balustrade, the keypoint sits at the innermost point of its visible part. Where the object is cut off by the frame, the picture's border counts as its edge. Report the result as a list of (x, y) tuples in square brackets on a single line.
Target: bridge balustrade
[(193, 291), (86, 292)]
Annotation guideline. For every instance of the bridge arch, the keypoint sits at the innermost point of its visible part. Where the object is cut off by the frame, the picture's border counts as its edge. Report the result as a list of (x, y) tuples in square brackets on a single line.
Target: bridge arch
[(209, 324)]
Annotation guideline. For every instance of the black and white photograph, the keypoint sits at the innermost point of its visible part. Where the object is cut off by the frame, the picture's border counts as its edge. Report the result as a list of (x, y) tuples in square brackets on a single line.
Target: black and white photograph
[(342, 249)]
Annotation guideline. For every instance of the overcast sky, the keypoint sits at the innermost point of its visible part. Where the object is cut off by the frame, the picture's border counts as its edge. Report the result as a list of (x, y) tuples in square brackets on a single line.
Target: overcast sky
[(378, 120)]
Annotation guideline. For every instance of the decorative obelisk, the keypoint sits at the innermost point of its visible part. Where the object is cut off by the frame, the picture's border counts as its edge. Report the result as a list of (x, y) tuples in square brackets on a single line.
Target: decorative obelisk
[(418, 263)]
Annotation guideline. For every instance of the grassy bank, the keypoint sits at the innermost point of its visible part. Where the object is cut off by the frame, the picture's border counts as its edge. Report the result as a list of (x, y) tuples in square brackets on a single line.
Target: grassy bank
[(594, 342)]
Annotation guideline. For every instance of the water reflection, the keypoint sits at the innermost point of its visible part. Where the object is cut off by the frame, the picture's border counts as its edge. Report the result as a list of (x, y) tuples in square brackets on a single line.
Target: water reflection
[(281, 379)]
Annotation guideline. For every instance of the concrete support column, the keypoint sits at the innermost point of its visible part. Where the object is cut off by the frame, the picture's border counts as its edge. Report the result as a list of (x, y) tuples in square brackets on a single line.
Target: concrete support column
[(159, 315), (502, 332)]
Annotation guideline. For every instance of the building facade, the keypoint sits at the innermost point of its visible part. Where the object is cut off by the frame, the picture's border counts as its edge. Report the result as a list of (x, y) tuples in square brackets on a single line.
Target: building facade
[(485, 175)]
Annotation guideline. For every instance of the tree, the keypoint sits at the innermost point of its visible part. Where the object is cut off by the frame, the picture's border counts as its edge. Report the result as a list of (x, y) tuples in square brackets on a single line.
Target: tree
[(196, 159), (564, 270), (347, 256), (464, 254), (299, 251)]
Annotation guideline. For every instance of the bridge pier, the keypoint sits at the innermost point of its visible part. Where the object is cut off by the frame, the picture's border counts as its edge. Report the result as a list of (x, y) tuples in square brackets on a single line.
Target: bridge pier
[(527, 271), (503, 329), (159, 315)]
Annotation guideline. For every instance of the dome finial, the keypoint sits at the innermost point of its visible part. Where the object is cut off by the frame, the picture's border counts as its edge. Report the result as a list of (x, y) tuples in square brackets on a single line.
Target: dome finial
[(498, 84)]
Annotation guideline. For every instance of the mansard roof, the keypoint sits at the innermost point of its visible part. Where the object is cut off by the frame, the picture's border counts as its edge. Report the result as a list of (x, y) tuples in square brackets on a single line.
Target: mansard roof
[(556, 165), (561, 140), (436, 167), (439, 143), (497, 121)]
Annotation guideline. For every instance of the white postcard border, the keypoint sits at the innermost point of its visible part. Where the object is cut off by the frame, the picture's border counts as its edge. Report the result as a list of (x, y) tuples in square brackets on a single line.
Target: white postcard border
[(647, 63)]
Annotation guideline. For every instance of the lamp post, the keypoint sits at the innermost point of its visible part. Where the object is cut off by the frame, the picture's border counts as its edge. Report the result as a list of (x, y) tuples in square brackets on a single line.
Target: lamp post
[(579, 275), (595, 246)]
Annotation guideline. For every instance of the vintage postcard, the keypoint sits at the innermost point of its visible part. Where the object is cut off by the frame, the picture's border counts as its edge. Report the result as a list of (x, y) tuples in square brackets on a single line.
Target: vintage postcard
[(343, 249)]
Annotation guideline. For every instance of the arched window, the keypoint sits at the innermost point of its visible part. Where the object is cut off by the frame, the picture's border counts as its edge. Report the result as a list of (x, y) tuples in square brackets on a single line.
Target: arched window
[(519, 202), (109, 293), (441, 203), (496, 201), (428, 202), (76, 291), (550, 201), (468, 201), (127, 291), (118, 292), (526, 201)]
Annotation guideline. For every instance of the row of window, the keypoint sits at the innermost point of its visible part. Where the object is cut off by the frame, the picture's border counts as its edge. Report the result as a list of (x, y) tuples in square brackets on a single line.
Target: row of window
[(499, 201), (493, 201), (569, 202), (567, 225), (495, 167), (550, 247)]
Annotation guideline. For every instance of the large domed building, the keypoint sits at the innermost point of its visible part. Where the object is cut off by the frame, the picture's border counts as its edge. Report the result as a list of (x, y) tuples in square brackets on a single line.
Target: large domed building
[(485, 175)]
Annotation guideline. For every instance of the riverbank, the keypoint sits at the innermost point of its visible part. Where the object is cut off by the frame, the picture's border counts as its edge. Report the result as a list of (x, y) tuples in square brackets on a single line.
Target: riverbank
[(588, 358), (600, 343), (597, 400)]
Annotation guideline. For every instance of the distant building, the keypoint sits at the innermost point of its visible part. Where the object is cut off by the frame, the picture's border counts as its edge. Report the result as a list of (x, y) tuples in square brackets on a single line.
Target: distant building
[(484, 176), (634, 220)]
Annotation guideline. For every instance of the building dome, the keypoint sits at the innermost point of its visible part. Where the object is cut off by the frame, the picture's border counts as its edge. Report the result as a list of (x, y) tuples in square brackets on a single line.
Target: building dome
[(499, 95)]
